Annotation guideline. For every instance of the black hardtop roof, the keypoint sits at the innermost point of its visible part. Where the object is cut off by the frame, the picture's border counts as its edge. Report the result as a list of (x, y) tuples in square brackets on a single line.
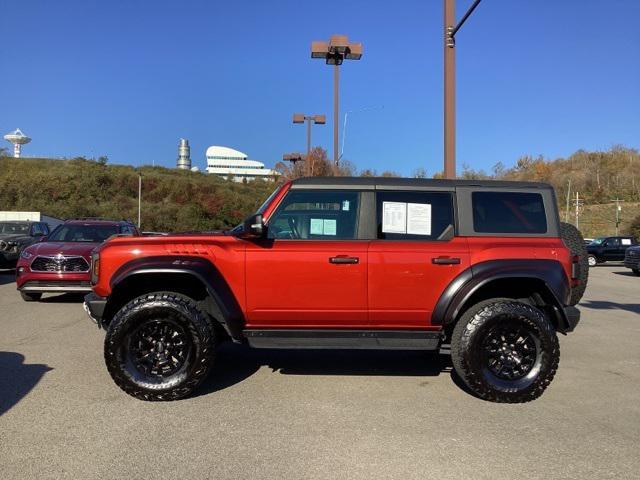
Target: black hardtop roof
[(390, 182)]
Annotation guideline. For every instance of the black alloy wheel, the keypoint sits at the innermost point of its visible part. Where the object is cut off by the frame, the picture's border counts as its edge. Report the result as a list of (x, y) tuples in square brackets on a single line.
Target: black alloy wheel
[(159, 348), (512, 352)]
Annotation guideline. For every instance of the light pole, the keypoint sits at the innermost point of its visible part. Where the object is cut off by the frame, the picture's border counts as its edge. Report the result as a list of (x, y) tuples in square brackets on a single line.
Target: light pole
[(334, 52), (301, 118), (450, 30), (139, 198)]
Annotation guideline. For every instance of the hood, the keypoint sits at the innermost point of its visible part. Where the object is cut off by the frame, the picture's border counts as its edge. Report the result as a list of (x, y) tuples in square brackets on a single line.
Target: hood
[(65, 248)]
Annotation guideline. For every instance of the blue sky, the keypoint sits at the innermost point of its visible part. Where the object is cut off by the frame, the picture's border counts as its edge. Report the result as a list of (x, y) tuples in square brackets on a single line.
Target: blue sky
[(127, 79)]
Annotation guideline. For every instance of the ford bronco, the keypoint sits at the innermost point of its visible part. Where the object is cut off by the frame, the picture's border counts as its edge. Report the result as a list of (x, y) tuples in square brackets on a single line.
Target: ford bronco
[(355, 263)]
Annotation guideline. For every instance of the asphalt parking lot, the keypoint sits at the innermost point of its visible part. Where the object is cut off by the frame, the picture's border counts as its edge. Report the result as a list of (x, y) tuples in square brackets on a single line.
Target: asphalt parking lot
[(307, 414)]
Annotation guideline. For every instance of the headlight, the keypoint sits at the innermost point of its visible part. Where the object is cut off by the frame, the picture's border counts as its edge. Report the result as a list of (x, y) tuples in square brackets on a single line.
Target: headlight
[(95, 268), (26, 255)]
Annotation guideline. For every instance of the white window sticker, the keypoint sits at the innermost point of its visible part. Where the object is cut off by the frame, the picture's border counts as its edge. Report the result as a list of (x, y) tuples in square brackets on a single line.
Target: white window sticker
[(329, 227), (323, 226), (345, 206), (419, 218), (394, 217), (626, 241), (316, 226)]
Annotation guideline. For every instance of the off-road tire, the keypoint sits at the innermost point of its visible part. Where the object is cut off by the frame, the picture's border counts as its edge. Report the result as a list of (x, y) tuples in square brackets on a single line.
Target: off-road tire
[(151, 309), (575, 242), (468, 357), (30, 297)]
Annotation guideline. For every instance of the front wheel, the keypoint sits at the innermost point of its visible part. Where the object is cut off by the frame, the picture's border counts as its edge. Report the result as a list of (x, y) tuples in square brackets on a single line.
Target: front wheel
[(505, 351), (593, 261), (159, 347)]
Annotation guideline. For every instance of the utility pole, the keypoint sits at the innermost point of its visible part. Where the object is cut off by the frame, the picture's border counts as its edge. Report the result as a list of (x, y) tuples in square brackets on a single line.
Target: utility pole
[(579, 203), (566, 211), (450, 30), (618, 210)]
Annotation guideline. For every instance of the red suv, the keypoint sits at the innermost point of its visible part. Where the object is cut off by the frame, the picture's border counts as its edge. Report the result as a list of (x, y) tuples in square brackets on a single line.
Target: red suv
[(377, 263), (60, 262)]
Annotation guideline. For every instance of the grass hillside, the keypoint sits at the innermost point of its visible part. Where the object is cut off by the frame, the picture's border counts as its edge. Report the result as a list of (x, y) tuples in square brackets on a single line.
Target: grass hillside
[(172, 200)]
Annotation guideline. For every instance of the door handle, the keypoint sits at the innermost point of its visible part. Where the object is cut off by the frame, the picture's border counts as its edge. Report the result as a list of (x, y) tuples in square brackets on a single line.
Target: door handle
[(343, 260), (445, 261)]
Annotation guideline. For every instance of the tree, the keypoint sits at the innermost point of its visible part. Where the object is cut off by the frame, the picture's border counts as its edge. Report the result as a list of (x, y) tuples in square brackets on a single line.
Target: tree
[(420, 172)]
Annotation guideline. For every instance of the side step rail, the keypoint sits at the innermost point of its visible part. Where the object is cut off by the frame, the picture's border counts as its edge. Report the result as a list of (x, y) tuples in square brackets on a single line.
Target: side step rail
[(345, 339)]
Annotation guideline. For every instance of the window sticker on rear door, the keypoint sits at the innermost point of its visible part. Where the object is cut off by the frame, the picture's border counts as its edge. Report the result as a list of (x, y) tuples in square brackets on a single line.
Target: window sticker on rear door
[(419, 218), (394, 217), (626, 241)]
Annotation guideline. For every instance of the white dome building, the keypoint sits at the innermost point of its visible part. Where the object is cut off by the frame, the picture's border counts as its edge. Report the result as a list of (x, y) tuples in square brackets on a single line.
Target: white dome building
[(225, 162)]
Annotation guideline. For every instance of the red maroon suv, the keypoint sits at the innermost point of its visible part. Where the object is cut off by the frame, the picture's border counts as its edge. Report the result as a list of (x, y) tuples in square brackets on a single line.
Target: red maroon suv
[(377, 263), (61, 261)]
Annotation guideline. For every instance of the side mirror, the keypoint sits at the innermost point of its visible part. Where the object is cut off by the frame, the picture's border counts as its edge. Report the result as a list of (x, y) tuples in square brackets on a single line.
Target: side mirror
[(43, 238), (254, 227)]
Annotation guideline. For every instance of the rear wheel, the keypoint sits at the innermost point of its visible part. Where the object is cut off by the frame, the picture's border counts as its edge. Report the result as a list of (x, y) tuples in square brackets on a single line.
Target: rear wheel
[(505, 351), (575, 242), (30, 296), (159, 347), (636, 272)]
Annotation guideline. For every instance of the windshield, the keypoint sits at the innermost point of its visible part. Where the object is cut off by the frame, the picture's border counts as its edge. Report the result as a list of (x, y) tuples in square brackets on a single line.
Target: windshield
[(14, 228), (82, 233), (598, 241)]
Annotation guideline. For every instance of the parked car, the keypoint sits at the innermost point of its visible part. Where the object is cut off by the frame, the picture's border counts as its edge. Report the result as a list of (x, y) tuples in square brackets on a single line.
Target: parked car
[(606, 249), (15, 236), (61, 262), (378, 263), (632, 259)]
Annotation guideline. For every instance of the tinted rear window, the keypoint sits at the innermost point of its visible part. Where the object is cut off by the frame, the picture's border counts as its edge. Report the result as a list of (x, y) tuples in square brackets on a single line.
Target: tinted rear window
[(508, 212)]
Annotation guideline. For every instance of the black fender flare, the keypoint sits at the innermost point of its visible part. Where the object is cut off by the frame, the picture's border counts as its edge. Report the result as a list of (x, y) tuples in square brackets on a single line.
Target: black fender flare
[(221, 305), (460, 290)]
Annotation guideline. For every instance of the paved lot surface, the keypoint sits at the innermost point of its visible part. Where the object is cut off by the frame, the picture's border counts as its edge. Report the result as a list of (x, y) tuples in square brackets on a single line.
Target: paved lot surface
[(278, 414)]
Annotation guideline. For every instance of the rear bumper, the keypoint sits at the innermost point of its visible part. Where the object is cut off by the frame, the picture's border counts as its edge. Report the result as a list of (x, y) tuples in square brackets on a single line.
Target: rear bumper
[(94, 305)]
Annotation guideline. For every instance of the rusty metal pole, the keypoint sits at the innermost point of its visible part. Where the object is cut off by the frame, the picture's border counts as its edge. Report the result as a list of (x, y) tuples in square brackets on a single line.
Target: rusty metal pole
[(449, 91), (336, 80)]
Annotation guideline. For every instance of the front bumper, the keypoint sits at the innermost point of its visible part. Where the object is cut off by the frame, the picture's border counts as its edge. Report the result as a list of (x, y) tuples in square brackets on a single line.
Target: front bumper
[(94, 305), (53, 286), (632, 262), (8, 259)]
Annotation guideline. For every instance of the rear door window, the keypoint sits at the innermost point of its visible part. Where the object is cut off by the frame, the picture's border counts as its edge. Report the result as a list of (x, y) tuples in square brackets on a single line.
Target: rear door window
[(413, 215), (508, 212)]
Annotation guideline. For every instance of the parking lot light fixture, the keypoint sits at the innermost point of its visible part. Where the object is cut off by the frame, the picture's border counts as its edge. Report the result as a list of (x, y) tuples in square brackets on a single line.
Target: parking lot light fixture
[(334, 52), (301, 118)]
